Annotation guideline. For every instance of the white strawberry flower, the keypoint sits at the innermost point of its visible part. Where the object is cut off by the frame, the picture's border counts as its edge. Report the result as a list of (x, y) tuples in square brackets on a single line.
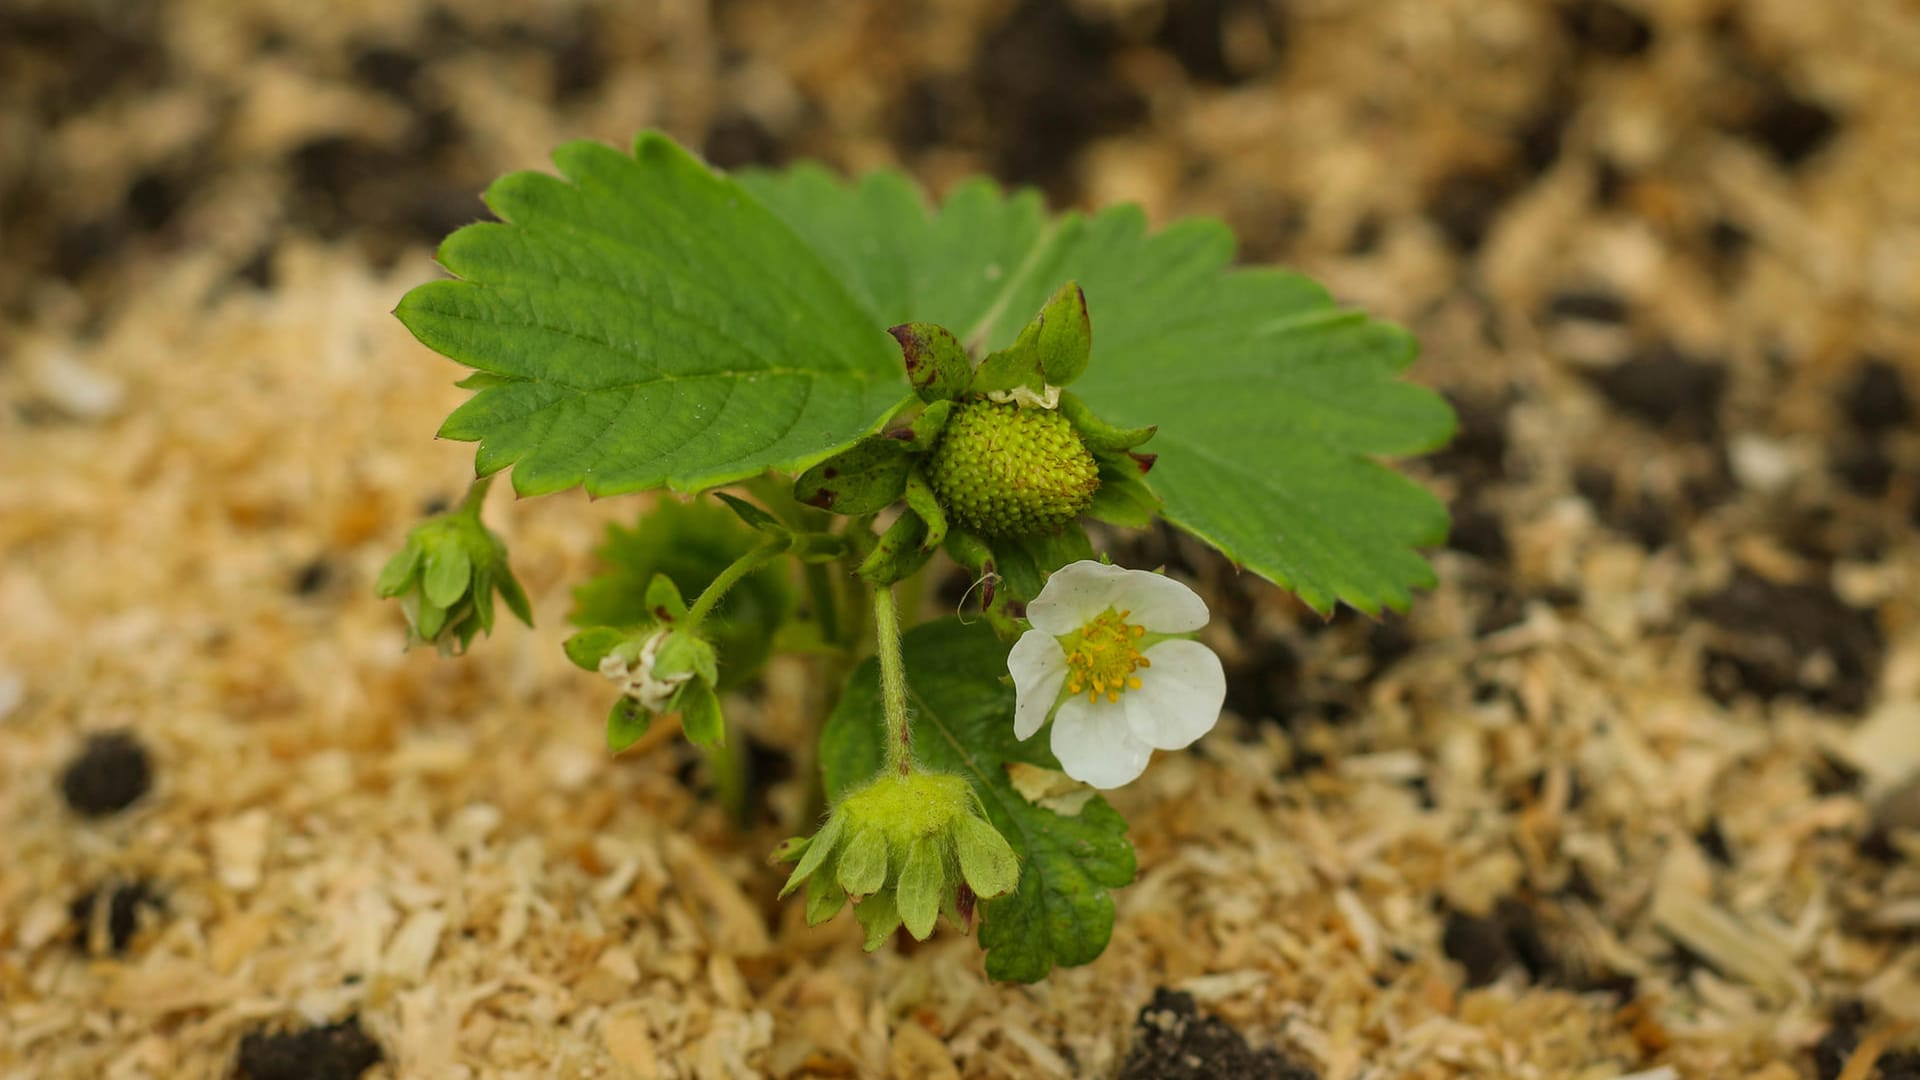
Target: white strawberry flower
[(1111, 659)]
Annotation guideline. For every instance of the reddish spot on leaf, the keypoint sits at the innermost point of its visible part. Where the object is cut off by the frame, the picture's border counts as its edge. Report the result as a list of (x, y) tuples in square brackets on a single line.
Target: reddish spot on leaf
[(963, 903), (1145, 461)]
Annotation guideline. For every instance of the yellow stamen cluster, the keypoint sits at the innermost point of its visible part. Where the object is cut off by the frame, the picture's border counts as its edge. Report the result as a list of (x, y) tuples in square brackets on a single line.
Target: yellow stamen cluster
[(1103, 656)]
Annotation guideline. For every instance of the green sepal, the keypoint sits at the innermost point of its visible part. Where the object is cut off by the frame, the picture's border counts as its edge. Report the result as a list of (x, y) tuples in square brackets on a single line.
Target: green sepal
[(1123, 497), (700, 717), (682, 652), (663, 599), (879, 915), (937, 364), (924, 431), (987, 861), (867, 477), (429, 618), (1061, 335), (815, 854), (825, 898), (626, 722), (397, 575), (969, 551), (512, 593), (922, 501), (899, 553), (1012, 368), (754, 517), (922, 880), (1025, 562), (482, 597), (1099, 435), (449, 570), (789, 850), (588, 647), (863, 865)]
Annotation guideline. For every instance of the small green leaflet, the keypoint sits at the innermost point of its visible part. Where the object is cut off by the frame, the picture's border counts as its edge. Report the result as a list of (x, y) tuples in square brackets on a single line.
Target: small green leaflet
[(1272, 402), (640, 321), (1062, 914)]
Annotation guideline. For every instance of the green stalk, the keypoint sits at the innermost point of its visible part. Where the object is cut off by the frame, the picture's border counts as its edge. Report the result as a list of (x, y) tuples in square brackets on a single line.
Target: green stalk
[(826, 609), (893, 681), (731, 576), (476, 495)]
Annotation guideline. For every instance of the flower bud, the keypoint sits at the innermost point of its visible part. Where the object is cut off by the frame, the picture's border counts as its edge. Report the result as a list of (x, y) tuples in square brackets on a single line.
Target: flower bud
[(905, 849), (446, 577)]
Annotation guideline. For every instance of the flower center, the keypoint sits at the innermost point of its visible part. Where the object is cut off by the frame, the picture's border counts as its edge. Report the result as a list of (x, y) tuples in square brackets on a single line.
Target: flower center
[(1103, 656)]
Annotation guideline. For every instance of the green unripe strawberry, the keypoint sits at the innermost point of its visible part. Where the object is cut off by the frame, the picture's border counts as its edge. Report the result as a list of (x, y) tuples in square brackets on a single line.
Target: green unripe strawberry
[(1004, 471)]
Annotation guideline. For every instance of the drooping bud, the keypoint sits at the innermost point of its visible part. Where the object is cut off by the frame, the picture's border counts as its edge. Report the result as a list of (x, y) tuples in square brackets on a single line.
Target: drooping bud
[(905, 849), (1002, 470), (446, 577)]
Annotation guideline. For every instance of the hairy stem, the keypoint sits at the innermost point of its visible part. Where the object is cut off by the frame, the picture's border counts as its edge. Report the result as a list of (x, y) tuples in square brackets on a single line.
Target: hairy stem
[(731, 576), (893, 681)]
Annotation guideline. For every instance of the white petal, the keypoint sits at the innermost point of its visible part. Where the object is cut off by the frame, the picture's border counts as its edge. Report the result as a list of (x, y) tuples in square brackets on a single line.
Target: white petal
[(1159, 603), (1038, 667), (1179, 697), (1074, 595), (1094, 745)]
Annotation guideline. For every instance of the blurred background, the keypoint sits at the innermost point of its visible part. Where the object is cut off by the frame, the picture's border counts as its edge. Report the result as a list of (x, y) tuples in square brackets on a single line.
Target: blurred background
[(1663, 256)]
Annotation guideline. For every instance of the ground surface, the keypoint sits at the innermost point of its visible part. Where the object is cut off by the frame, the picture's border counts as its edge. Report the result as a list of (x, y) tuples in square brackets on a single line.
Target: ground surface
[(1603, 804)]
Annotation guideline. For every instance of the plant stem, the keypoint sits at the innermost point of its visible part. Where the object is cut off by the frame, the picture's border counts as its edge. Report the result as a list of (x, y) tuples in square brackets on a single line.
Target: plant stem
[(476, 494), (826, 610), (893, 681), (741, 567)]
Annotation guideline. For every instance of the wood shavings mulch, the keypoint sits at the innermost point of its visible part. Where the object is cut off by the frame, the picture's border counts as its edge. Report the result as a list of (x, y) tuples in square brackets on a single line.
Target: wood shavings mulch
[(1628, 795)]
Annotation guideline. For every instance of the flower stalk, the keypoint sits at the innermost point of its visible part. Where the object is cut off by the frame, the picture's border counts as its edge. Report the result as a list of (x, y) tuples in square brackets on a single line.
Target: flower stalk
[(893, 681)]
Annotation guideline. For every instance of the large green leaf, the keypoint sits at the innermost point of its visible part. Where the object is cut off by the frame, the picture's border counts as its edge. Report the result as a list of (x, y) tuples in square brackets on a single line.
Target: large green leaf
[(1274, 404), (962, 712), (640, 321)]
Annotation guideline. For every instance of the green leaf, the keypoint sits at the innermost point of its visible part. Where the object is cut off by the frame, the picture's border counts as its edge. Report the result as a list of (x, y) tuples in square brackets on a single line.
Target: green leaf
[(752, 516), (1061, 913), (691, 543), (1273, 404), (644, 321)]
